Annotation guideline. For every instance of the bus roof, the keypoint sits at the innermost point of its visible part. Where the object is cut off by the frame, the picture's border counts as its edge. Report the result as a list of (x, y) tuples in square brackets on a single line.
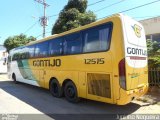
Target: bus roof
[(75, 29), (101, 21)]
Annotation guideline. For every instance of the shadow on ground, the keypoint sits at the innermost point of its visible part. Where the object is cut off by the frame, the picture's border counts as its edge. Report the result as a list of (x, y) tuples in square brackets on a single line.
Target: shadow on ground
[(42, 100)]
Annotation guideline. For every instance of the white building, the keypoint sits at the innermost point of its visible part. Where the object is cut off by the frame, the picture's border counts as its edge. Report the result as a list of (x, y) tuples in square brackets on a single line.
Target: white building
[(3, 59), (152, 28)]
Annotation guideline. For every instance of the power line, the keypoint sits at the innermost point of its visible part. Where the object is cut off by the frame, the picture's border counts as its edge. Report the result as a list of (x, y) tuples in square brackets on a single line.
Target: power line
[(39, 36), (147, 16), (38, 8), (43, 20), (115, 4), (53, 15), (133, 8), (42, 34), (88, 5), (109, 6), (133, 17), (96, 2), (140, 6), (31, 27)]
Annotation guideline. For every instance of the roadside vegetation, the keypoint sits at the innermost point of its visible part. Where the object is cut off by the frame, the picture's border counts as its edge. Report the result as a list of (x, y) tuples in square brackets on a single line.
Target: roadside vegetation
[(153, 48), (73, 15), (17, 40)]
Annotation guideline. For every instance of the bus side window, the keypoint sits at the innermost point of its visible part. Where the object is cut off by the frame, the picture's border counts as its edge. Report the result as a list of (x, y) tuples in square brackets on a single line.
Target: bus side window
[(96, 39), (23, 55), (55, 47), (31, 51), (41, 49), (73, 44)]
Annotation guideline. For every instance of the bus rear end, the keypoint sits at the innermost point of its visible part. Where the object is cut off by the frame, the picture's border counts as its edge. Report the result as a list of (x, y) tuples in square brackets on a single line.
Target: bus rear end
[(133, 69)]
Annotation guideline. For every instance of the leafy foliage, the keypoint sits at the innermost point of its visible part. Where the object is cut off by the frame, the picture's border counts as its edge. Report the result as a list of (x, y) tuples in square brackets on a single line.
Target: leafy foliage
[(80, 5), (153, 53), (73, 15), (16, 41)]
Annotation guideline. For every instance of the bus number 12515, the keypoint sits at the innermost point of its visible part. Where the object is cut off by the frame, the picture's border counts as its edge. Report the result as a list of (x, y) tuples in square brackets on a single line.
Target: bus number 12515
[(94, 61)]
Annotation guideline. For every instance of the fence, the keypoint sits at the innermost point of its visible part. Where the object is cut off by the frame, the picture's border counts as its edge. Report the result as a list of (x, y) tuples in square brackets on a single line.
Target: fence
[(154, 77)]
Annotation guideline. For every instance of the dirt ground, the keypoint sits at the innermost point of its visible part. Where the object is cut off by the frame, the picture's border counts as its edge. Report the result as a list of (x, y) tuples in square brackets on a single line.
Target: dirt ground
[(152, 97), (26, 99)]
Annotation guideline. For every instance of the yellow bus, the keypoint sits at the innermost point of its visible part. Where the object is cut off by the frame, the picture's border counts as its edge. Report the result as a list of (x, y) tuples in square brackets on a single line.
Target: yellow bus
[(104, 61)]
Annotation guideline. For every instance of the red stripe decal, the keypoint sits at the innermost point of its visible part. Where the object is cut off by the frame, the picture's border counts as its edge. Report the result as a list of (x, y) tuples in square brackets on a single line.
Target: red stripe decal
[(137, 58)]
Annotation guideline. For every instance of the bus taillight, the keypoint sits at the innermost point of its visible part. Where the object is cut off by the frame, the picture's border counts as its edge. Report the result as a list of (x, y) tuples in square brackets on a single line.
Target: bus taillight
[(122, 74)]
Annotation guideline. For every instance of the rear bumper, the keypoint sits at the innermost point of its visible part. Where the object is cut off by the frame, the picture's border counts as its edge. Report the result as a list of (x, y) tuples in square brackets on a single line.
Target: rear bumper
[(127, 96)]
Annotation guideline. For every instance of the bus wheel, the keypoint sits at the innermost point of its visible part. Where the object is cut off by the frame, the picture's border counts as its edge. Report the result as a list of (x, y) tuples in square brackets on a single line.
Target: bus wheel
[(70, 92), (14, 78), (55, 88)]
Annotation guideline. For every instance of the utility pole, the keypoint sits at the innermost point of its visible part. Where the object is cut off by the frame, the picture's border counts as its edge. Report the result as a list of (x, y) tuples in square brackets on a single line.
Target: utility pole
[(43, 19)]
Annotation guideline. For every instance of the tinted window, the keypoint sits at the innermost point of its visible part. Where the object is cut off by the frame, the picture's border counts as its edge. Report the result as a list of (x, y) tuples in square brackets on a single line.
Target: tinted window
[(16, 54), (41, 49), (24, 53), (55, 47), (31, 51), (73, 44), (97, 39)]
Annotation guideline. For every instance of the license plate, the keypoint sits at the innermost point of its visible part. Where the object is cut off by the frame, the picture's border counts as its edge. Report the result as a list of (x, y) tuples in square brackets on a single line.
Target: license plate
[(141, 90)]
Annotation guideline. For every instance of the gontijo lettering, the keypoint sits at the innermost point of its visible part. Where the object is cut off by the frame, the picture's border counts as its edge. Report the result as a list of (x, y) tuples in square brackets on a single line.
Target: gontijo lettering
[(48, 62), (136, 51)]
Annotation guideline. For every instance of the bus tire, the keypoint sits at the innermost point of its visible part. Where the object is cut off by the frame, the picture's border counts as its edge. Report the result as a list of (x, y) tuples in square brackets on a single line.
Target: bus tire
[(14, 78), (70, 92), (55, 88)]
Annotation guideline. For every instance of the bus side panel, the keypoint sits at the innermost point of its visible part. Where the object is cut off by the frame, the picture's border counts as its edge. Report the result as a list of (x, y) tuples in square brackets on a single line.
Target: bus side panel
[(99, 86), (117, 54), (74, 68), (82, 85), (98, 77), (23, 72), (61, 76)]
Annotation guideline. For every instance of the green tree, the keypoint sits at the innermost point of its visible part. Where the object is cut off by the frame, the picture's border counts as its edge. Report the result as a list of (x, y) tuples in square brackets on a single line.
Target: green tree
[(73, 15), (17, 40), (153, 48)]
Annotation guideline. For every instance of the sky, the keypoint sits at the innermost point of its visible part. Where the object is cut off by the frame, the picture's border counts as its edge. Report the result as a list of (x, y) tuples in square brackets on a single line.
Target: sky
[(22, 16)]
